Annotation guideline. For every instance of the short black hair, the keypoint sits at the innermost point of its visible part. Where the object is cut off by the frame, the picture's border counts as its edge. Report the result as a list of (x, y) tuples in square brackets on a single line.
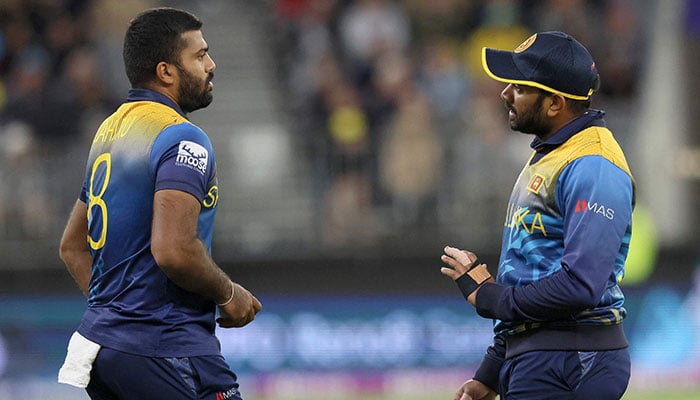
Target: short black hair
[(153, 36), (578, 107)]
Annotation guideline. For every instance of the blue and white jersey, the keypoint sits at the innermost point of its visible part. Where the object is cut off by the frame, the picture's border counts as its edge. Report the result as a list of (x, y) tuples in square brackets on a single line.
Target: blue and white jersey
[(145, 146), (567, 232)]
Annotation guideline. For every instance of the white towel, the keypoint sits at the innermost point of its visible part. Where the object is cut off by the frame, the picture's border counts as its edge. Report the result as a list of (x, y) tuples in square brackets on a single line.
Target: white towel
[(76, 368)]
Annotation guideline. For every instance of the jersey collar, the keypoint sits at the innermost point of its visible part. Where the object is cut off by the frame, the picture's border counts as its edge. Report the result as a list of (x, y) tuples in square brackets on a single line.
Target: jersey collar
[(139, 94), (590, 118)]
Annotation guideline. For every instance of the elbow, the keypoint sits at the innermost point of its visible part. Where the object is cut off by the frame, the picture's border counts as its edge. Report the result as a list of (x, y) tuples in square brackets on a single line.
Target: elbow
[(583, 294), (69, 251), (163, 254), (170, 257), (63, 252), (584, 301), (587, 296)]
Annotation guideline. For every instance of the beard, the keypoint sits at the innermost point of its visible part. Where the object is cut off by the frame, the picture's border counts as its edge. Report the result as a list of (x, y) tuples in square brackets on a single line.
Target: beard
[(194, 93), (530, 120)]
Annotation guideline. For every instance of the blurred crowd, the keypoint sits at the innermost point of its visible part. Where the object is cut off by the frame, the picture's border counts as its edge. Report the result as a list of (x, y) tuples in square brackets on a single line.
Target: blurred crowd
[(60, 75), (401, 127), (402, 124)]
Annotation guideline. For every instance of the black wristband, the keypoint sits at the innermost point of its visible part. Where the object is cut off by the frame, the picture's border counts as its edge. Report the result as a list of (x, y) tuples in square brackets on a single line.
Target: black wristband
[(466, 285), (472, 279)]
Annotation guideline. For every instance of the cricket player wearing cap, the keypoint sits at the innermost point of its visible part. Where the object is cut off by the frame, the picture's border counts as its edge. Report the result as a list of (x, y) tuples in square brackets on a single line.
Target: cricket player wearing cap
[(555, 301)]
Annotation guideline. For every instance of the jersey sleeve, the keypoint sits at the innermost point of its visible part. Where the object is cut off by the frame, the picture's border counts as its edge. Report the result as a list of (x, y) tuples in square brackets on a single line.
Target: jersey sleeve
[(595, 199), (182, 158), (83, 195), (490, 368)]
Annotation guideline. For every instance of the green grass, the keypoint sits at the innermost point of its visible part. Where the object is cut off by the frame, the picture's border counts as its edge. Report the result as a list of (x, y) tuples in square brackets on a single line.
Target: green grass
[(670, 394)]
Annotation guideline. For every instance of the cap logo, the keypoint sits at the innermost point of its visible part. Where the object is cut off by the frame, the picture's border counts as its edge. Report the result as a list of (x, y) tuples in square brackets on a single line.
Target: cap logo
[(524, 45)]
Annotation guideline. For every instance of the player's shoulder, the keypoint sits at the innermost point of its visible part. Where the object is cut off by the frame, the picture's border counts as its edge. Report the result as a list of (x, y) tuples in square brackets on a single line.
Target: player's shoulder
[(185, 130), (183, 136), (598, 142), (594, 140), (154, 115)]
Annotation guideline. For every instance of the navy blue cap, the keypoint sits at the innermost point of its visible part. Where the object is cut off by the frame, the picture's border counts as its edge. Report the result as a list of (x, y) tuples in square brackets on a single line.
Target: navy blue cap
[(552, 61)]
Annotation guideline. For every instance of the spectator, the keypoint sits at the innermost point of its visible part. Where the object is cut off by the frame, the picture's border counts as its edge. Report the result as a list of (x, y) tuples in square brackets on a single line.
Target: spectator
[(410, 152), (368, 28)]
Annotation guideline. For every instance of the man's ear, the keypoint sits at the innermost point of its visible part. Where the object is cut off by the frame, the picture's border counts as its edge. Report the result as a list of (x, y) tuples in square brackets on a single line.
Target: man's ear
[(165, 73), (557, 104)]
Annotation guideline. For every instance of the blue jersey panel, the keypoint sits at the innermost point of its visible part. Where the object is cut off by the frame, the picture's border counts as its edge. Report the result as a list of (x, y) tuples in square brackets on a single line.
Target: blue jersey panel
[(567, 234), (183, 159), (133, 307)]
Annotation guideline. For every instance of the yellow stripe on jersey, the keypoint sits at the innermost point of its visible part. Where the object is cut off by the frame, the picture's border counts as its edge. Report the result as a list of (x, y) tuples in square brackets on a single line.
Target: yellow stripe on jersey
[(145, 118)]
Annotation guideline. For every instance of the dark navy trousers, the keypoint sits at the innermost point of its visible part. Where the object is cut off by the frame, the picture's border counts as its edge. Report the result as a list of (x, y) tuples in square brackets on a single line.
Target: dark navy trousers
[(566, 375), (121, 376)]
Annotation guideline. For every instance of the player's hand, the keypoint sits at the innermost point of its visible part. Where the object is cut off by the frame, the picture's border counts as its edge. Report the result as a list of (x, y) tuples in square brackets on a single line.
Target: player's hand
[(474, 390), (458, 262), (240, 311)]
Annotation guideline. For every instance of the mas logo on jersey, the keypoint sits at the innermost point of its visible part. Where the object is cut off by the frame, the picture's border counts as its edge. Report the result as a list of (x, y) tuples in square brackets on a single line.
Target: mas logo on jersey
[(227, 394), (536, 183), (192, 155), (583, 206)]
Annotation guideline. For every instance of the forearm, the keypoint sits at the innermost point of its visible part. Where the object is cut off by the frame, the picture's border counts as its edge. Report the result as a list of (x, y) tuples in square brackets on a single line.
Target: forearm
[(178, 250), (559, 296), (192, 268), (73, 249), (79, 265), (490, 367)]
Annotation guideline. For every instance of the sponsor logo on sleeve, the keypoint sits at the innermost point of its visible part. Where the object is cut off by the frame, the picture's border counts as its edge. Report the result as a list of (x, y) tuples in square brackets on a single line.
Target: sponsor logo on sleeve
[(583, 206), (192, 155), (227, 394)]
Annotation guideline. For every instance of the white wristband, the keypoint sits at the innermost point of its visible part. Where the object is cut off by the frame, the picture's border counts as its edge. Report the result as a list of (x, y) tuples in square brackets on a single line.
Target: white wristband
[(233, 291)]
